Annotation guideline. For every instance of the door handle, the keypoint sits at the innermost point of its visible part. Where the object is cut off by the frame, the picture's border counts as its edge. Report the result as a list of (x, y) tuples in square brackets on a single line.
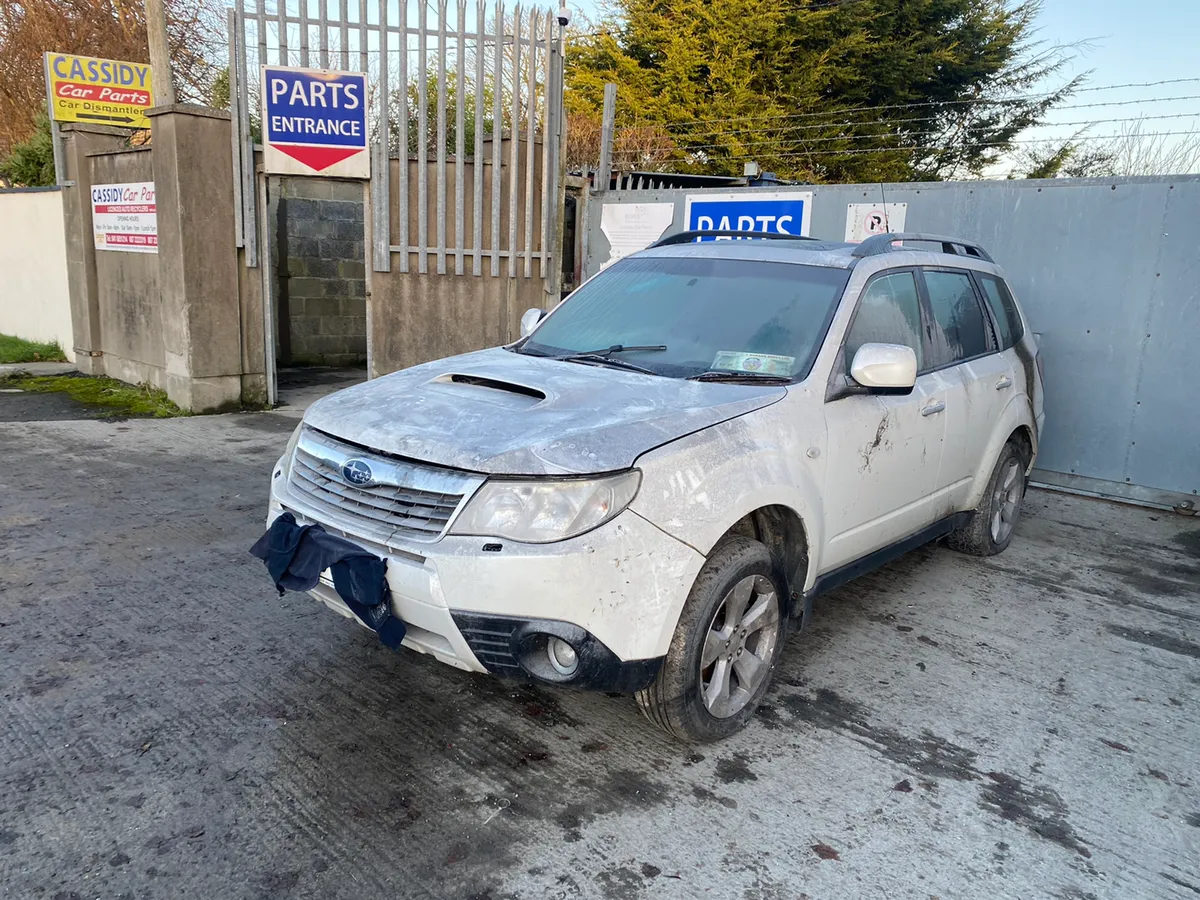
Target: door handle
[(1004, 382), (933, 408)]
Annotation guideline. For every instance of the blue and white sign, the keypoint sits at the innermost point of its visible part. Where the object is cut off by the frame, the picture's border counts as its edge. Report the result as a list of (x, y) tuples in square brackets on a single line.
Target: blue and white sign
[(315, 122), (777, 212)]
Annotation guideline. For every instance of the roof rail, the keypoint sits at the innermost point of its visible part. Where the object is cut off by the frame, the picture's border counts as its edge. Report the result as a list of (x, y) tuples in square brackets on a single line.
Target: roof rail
[(882, 243), (688, 237)]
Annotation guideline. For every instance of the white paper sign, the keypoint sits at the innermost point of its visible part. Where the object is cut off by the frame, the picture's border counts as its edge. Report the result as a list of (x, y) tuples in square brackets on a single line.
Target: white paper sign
[(631, 227), (124, 217), (866, 219)]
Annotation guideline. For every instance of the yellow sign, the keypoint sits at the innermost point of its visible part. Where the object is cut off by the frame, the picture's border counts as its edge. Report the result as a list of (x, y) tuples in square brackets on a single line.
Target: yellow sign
[(100, 91)]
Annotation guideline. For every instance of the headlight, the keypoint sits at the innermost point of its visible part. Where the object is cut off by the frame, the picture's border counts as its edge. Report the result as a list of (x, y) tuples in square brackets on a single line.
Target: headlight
[(545, 510)]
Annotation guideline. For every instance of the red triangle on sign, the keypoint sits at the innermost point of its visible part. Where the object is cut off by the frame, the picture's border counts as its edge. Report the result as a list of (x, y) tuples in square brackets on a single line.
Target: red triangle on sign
[(318, 158)]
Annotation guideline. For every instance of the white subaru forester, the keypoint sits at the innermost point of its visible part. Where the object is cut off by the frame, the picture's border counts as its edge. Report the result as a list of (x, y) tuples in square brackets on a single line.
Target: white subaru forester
[(646, 491)]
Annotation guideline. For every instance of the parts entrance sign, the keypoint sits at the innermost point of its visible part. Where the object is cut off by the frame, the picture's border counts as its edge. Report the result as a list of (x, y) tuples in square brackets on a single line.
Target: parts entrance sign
[(315, 122), (99, 91), (778, 212)]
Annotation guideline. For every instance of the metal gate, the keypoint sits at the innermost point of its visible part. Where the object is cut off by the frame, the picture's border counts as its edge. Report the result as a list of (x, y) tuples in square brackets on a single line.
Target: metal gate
[(468, 95)]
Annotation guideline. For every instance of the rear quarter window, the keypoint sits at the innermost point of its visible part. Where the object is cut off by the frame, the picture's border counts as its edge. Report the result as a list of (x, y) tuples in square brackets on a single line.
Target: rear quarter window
[(1004, 309)]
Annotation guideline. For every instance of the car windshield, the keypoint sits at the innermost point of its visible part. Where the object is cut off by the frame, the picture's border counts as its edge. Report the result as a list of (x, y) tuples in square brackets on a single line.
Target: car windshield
[(683, 317)]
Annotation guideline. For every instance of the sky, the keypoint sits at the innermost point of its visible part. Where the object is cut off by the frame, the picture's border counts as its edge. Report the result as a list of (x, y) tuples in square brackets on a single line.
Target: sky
[(1128, 42)]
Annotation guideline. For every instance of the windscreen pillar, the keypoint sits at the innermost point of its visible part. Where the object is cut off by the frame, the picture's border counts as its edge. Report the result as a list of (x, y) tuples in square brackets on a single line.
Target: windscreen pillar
[(79, 142), (197, 253)]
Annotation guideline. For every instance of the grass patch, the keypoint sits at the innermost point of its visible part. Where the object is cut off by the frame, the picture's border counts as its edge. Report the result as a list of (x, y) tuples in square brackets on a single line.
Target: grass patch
[(116, 397), (19, 350)]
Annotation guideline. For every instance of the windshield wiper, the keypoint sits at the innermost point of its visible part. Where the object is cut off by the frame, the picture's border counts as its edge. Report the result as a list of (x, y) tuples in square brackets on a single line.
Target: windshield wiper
[(755, 377), (621, 348), (601, 360)]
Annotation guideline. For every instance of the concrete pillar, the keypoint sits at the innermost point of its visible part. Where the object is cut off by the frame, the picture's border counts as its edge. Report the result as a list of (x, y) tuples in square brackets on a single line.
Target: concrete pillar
[(79, 142), (197, 253)]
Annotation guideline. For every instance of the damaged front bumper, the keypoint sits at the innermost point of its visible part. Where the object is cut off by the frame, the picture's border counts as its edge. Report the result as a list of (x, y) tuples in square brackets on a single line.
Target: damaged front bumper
[(613, 594)]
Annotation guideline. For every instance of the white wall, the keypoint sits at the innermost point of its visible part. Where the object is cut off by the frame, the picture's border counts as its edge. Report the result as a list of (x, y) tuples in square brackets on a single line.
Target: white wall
[(34, 302)]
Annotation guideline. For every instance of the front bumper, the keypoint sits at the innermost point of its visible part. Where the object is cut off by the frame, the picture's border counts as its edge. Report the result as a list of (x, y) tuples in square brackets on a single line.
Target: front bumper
[(614, 593)]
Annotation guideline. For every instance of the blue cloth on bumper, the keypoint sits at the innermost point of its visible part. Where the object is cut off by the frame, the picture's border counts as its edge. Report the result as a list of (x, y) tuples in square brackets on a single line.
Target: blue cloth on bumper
[(296, 556)]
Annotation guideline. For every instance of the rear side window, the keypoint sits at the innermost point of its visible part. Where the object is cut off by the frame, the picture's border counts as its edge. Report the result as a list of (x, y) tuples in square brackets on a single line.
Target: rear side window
[(960, 331), (888, 313), (1004, 309)]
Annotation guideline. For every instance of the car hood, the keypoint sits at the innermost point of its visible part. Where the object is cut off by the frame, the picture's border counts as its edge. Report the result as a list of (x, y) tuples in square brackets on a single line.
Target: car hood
[(500, 412)]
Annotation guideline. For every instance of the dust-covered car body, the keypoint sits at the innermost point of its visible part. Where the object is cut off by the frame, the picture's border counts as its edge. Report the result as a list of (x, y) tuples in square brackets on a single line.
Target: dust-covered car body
[(554, 509)]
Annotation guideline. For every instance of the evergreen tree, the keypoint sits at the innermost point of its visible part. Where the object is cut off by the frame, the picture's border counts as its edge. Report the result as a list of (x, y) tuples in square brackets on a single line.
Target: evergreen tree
[(821, 90)]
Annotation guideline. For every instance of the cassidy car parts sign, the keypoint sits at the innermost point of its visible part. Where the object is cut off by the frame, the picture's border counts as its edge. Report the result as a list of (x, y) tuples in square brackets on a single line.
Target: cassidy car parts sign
[(125, 217), (100, 91), (777, 212), (315, 122)]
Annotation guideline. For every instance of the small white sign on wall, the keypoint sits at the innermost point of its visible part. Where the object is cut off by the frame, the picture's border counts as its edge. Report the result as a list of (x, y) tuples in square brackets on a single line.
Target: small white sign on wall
[(125, 217), (631, 227), (866, 219)]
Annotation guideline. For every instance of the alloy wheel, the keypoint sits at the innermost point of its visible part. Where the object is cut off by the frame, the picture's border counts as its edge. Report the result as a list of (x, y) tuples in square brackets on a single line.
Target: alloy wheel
[(1005, 501), (739, 646)]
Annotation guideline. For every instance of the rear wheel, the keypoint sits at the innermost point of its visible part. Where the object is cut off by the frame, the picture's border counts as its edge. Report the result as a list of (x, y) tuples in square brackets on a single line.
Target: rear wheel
[(725, 646), (990, 528)]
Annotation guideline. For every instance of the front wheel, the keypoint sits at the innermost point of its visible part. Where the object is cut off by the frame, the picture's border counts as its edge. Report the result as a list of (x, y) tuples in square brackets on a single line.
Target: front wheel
[(990, 528), (725, 646)]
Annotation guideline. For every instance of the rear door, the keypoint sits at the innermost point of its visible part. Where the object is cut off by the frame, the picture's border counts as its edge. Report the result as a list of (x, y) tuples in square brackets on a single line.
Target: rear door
[(1008, 328), (979, 379), (884, 451)]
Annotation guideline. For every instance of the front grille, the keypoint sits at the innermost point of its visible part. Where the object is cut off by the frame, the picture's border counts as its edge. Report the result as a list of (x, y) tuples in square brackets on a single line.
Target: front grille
[(405, 499), (490, 639)]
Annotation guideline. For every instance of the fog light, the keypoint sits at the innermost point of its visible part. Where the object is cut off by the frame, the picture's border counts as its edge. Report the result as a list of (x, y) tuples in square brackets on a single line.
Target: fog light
[(562, 656)]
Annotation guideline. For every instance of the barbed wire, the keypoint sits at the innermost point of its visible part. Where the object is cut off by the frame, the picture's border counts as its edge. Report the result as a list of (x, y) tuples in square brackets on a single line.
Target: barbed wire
[(934, 149), (882, 135)]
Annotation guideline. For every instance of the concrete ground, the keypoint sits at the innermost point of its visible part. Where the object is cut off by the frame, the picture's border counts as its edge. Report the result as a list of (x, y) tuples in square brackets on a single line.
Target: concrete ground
[(302, 385), (1024, 726)]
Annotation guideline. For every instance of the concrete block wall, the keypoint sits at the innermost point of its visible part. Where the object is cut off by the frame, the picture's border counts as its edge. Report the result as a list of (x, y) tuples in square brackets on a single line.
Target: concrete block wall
[(320, 260)]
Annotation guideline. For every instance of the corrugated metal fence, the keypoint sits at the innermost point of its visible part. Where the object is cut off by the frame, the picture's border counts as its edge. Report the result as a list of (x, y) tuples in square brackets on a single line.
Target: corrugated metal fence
[(1108, 270)]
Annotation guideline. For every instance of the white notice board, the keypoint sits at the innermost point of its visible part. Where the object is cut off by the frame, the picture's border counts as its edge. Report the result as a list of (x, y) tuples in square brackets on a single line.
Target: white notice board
[(125, 217), (866, 219)]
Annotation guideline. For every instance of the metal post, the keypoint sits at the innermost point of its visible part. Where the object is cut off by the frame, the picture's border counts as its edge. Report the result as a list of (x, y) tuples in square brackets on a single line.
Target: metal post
[(477, 167), (497, 132), (460, 137), (160, 56), (558, 188), (530, 122), (381, 194), (235, 131), (268, 299), (56, 141), (249, 191), (604, 172), (402, 139), (440, 142), (422, 141), (514, 159), (548, 133)]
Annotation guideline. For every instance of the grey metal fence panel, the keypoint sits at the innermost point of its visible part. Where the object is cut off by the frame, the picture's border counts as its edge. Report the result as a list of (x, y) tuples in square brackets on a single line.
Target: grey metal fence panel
[(1106, 271), (517, 74)]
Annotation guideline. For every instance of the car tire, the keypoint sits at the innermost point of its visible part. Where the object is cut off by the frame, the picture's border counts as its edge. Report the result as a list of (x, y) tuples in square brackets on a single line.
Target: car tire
[(990, 528), (725, 647)]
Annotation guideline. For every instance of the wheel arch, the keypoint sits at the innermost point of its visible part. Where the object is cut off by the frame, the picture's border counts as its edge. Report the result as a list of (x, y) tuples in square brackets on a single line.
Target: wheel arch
[(782, 531), (1015, 421)]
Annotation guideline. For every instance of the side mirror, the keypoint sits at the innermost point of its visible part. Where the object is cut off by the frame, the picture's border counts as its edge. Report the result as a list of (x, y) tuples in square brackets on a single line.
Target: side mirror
[(530, 319), (885, 368)]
